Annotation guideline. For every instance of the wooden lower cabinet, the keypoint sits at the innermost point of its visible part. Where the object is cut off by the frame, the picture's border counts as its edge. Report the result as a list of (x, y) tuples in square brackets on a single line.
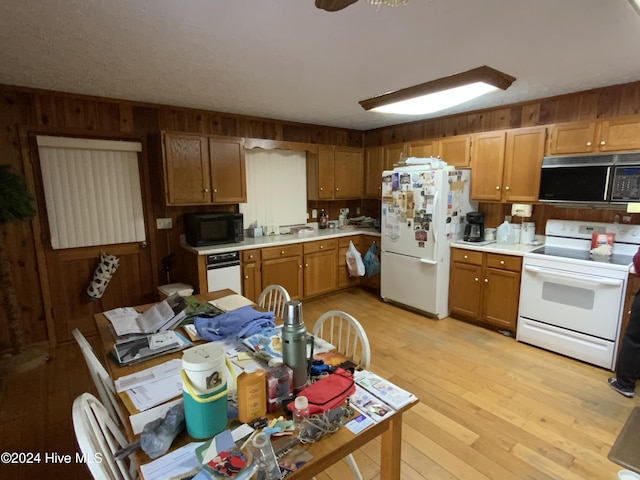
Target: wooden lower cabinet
[(305, 269), (320, 267), (283, 266), (251, 274), (484, 288)]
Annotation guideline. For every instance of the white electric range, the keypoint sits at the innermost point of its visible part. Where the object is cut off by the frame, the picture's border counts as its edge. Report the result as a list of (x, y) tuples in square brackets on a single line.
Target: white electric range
[(571, 302)]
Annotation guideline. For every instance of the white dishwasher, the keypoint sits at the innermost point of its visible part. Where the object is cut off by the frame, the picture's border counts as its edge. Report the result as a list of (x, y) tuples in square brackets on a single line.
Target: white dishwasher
[(223, 271)]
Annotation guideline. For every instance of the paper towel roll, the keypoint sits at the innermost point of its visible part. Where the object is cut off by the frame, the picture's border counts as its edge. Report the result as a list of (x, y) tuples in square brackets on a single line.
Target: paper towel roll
[(521, 210)]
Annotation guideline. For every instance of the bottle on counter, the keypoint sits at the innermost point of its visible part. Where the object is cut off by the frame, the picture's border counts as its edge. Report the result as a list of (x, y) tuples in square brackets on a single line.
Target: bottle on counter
[(300, 411), (323, 220), (252, 394)]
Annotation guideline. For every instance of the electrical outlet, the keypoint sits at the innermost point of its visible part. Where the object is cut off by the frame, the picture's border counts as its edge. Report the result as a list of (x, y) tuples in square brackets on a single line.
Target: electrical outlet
[(314, 213), (164, 223)]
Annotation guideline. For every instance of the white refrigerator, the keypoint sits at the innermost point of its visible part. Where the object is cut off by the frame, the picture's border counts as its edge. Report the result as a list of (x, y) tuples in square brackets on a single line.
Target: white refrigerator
[(423, 211)]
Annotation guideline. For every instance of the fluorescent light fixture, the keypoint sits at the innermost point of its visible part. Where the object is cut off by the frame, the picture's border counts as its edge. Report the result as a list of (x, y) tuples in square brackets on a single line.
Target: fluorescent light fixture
[(440, 94), (635, 4)]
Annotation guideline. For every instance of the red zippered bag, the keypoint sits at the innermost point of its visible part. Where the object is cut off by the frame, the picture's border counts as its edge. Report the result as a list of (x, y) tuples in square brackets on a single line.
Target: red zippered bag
[(328, 392)]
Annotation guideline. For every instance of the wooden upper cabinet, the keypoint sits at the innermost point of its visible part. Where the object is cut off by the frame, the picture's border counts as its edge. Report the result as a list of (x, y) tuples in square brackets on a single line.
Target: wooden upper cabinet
[(347, 172), (334, 172), (574, 137), (423, 149), (373, 168), (228, 175), (522, 164), (456, 151), (325, 172), (617, 134), (201, 170), (487, 163), (393, 153), (186, 167)]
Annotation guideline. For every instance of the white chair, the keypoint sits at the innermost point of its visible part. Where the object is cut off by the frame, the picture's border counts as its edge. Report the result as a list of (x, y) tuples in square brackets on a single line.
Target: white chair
[(101, 378), (345, 333), (273, 298), (99, 438), (348, 336)]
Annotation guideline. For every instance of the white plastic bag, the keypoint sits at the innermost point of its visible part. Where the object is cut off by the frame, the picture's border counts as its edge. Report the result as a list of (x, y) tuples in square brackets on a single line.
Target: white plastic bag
[(354, 261)]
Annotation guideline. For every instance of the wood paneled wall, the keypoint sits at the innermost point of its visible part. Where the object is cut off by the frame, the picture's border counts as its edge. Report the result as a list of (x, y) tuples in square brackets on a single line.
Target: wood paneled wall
[(23, 110)]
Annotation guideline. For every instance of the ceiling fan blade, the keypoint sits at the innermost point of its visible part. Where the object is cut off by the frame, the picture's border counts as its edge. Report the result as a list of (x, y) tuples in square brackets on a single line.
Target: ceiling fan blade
[(333, 5)]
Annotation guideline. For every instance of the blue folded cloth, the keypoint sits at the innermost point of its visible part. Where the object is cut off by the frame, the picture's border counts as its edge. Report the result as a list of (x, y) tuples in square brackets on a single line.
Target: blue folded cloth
[(237, 323)]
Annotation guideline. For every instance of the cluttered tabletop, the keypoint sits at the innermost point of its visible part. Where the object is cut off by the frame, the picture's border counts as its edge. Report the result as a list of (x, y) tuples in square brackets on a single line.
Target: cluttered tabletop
[(221, 368)]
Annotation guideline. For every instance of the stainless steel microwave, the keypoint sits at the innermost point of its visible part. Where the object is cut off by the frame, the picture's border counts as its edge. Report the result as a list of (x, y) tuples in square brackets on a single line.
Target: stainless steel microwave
[(202, 229), (592, 179)]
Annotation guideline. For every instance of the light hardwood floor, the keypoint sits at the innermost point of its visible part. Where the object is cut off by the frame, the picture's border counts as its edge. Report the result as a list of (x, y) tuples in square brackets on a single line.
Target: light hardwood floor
[(490, 408)]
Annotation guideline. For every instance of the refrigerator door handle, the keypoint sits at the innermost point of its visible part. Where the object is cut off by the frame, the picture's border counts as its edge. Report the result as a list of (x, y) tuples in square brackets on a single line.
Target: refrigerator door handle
[(428, 261), (436, 201)]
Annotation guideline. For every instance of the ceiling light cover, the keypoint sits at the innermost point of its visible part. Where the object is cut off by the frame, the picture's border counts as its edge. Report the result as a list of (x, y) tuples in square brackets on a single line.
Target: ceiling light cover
[(440, 94)]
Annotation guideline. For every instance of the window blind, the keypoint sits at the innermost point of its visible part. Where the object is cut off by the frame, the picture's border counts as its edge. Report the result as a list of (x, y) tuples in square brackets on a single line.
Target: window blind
[(276, 188), (92, 191)]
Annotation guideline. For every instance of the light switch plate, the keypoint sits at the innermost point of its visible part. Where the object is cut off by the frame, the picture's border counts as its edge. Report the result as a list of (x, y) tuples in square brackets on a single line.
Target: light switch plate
[(164, 223)]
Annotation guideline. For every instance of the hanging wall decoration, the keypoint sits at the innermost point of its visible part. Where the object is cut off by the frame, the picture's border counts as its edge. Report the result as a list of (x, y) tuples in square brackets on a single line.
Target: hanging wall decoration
[(102, 276)]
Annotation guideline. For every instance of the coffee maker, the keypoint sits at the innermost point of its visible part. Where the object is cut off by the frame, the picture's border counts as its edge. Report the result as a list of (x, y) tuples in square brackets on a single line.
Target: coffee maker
[(474, 230)]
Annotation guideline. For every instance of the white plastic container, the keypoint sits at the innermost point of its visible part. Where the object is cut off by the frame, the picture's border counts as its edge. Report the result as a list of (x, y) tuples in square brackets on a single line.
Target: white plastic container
[(502, 233), (514, 236), (528, 232)]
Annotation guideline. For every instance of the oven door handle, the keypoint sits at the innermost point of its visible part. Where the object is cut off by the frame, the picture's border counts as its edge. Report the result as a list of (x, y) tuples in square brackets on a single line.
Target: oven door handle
[(591, 280)]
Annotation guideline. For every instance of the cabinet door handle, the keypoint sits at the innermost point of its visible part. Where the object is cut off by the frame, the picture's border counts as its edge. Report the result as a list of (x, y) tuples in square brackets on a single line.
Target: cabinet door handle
[(603, 142), (321, 247), (306, 265), (215, 190), (322, 188), (507, 187), (497, 187), (282, 252), (466, 257), (246, 276), (337, 188), (588, 144), (501, 262), (251, 257), (206, 190), (486, 280), (476, 279), (299, 266)]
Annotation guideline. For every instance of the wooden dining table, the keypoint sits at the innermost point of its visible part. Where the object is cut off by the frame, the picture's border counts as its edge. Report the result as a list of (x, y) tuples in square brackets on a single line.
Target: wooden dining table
[(325, 452)]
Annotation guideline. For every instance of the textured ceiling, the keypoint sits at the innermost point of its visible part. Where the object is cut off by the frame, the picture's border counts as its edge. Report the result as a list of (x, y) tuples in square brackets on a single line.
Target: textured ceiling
[(285, 59)]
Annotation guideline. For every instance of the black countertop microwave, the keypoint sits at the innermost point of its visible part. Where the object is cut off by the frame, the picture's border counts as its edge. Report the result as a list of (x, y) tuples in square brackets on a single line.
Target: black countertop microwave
[(202, 229), (593, 179)]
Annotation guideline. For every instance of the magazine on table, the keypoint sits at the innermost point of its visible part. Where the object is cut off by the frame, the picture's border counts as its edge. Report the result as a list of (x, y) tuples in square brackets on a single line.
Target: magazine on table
[(160, 317), (369, 404), (388, 392), (139, 349)]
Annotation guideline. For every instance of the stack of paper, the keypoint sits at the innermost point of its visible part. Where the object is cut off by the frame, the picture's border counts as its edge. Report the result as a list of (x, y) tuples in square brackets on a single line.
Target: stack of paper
[(231, 302)]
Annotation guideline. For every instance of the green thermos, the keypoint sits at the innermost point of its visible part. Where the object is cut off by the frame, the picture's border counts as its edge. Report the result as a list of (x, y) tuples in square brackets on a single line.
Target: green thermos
[(294, 343)]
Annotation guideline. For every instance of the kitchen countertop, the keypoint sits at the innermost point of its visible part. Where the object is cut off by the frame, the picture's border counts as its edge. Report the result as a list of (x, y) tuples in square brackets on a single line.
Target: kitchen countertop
[(277, 240), (517, 249)]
